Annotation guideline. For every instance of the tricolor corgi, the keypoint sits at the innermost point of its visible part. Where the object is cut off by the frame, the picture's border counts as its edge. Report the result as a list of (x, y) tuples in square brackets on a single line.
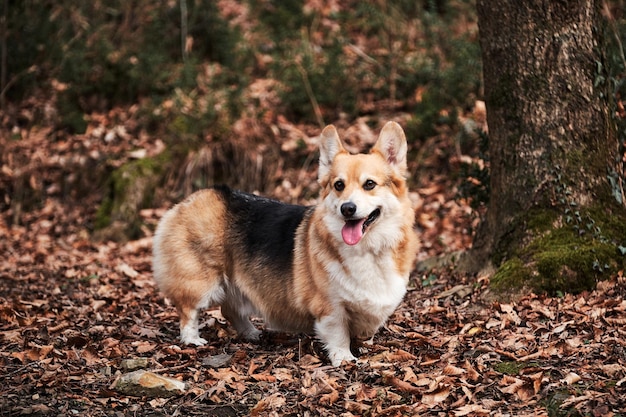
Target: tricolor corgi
[(338, 269)]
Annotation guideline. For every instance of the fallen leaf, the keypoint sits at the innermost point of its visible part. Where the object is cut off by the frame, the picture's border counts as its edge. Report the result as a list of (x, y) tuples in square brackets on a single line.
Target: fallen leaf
[(399, 384), (509, 309), (144, 347), (461, 291), (90, 356), (127, 270), (12, 336), (265, 377), (562, 327), (453, 370), (471, 409), (474, 331), (273, 402), (217, 361), (330, 398), (437, 396), (399, 356), (365, 393), (357, 407)]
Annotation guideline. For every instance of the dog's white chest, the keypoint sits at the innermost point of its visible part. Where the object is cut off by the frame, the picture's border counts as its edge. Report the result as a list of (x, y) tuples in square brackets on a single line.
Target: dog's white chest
[(369, 288)]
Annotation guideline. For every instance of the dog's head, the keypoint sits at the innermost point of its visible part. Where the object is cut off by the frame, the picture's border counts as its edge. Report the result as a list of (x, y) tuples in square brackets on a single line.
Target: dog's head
[(364, 194)]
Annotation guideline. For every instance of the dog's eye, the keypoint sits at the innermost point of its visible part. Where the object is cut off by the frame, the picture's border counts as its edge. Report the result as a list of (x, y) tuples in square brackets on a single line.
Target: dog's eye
[(369, 185), (339, 185)]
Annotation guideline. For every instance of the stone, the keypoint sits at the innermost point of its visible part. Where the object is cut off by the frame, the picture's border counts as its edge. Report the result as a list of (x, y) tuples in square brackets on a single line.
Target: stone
[(148, 384)]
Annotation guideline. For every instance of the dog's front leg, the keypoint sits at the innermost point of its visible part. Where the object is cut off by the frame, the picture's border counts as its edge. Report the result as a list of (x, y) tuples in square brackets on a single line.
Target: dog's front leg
[(334, 332)]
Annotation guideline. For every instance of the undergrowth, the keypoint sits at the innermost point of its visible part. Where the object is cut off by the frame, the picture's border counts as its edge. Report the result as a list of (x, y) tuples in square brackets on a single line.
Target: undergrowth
[(330, 62)]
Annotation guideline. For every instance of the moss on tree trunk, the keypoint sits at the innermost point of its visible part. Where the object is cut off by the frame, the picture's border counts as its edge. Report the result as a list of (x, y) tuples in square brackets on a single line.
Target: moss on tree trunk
[(553, 222), (130, 189)]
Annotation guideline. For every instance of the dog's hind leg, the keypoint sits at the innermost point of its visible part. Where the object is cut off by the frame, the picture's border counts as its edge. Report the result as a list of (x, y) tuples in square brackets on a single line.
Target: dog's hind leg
[(189, 300), (189, 328), (237, 308)]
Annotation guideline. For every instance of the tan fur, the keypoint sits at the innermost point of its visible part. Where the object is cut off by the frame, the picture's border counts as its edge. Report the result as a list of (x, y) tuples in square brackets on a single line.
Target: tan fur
[(199, 261), (191, 263)]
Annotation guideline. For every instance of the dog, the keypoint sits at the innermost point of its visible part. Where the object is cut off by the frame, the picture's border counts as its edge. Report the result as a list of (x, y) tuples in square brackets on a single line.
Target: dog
[(338, 269)]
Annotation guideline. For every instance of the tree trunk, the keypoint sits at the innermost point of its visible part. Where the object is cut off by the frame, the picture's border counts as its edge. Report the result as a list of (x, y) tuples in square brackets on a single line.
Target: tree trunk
[(555, 221)]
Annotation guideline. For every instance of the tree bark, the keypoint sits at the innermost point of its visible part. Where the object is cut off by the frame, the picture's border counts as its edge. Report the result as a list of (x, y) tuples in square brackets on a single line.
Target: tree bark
[(552, 143)]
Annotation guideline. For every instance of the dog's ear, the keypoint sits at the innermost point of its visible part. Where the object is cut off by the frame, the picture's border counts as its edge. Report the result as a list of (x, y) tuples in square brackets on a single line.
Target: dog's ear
[(391, 144), (330, 146)]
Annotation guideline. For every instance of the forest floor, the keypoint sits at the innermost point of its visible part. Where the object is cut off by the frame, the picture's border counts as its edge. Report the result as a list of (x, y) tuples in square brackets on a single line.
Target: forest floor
[(73, 312)]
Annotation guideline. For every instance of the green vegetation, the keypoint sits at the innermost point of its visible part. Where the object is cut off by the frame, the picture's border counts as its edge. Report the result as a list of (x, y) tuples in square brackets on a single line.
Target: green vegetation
[(113, 52), (191, 68), (513, 273), (513, 368), (328, 63), (130, 189), (568, 251)]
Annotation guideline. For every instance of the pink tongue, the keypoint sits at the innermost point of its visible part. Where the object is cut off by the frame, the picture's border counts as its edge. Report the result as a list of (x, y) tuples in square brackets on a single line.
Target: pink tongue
[(352, 231)]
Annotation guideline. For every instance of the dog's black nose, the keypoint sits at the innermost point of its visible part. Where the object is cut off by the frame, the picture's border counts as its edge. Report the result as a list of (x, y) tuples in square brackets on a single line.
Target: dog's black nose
[(348, 209)]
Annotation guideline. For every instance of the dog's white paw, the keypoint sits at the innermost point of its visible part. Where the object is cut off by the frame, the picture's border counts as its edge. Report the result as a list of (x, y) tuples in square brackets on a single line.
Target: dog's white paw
[(190, 336), (337, 358), (197, 340)]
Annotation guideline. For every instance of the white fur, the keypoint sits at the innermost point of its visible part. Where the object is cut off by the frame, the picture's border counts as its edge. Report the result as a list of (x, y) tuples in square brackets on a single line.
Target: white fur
[(190, 333), (334, 334), (367, 282)]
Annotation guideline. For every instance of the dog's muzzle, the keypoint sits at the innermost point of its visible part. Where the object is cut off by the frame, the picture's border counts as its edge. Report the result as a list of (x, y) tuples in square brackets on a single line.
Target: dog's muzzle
[(354, 229)]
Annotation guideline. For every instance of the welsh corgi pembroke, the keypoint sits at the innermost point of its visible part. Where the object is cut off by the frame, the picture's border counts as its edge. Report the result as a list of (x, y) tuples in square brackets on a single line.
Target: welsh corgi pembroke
[(338, 269)]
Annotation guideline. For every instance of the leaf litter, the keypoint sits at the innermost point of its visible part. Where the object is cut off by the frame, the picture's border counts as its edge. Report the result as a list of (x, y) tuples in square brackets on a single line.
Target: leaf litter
[(74, 312), (76, 315)]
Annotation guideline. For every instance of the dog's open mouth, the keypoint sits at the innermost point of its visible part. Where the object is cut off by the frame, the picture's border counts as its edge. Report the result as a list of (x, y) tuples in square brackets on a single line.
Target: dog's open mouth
[(353, 230)]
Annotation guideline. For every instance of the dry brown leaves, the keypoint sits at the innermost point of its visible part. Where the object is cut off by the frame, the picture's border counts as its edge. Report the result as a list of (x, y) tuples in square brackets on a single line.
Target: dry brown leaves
[(72, 312)]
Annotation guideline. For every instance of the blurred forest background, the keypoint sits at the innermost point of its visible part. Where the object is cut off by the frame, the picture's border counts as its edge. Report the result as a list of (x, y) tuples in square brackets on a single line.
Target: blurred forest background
[(121, 100), (124, 105)]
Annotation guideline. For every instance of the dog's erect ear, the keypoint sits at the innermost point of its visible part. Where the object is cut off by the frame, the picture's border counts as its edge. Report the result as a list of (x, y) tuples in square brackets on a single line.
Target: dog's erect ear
[(330, 146), (392, 146)]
